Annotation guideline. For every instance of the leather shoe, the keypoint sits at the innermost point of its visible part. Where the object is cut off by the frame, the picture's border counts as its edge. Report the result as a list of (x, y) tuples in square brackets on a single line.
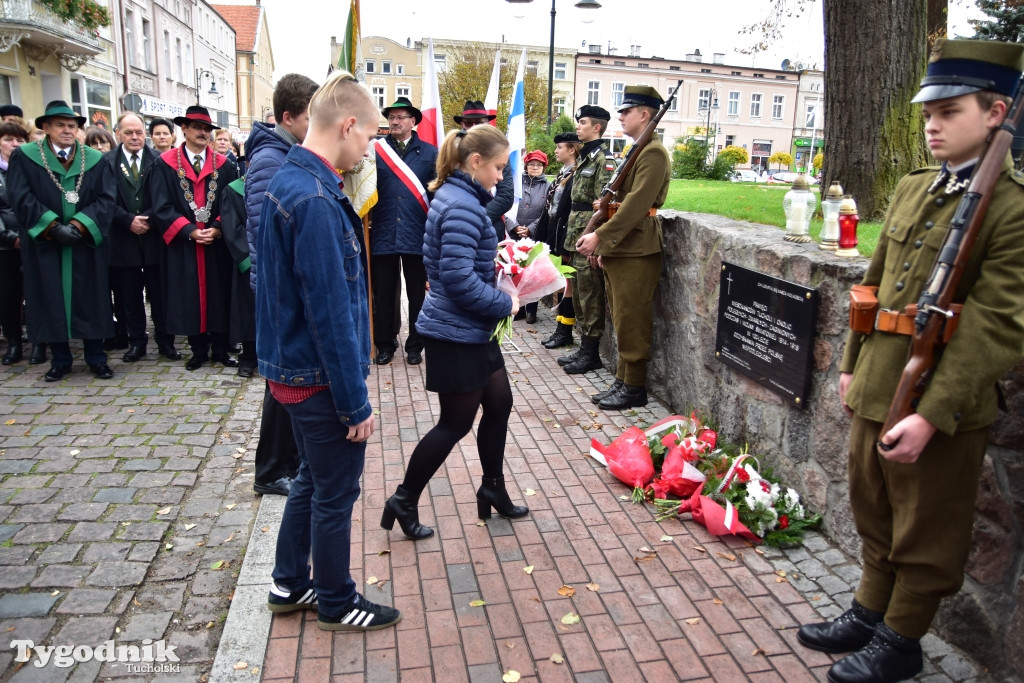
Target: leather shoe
[(627, 397), (13, 354), (414, 357), (135, 352), (279, 487), (169, 352), (384, 356), (55, 373), (246, 370), (38, 356), (102, 371), (531, 318), (889, 657), (225, 360), (849, 632), (610, 391), (196, 362)]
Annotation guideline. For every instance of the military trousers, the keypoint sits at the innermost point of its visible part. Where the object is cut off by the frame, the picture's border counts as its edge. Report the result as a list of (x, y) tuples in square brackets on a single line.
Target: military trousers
[(915, 522), (630, 283), (588, 297)]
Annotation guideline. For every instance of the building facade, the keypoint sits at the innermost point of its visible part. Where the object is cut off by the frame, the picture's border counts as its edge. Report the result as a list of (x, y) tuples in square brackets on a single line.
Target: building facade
[(392, 70), (254, 60), (753, 108), (215, 71), (809, 125)]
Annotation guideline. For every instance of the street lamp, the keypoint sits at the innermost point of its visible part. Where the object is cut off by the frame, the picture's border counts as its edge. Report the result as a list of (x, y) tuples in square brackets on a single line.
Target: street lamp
[(199, 81), (713, 101), (582, 4)]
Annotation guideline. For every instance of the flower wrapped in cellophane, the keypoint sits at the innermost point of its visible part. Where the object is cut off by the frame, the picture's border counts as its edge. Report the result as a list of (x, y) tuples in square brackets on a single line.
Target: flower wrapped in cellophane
[(527, 269)]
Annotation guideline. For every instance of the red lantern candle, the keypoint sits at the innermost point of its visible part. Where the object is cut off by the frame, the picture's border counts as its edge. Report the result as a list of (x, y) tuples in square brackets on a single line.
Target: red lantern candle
[(848, 220)]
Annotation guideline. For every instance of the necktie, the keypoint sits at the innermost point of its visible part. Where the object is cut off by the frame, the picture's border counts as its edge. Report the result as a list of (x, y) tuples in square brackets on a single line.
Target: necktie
[(401, 148), (197, 165), (62, 155), (135, 166)]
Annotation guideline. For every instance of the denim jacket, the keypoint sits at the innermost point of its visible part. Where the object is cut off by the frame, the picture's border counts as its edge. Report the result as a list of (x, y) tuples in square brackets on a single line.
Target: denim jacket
[(312, 323)]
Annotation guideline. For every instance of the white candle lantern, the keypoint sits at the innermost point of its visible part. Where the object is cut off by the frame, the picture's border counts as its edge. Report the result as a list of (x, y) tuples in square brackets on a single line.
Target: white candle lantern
[(799, 204), (830, 210)]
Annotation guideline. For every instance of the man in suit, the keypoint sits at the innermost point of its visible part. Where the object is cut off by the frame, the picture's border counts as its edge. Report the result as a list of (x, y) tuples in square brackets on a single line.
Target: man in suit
[(134, 245)]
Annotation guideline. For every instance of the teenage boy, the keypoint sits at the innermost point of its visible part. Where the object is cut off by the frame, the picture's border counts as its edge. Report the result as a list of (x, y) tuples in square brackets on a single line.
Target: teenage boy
[(913, 499), (313, 345)]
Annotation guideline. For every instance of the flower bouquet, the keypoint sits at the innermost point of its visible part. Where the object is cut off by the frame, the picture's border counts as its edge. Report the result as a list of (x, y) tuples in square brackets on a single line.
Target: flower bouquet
[(527, 269)]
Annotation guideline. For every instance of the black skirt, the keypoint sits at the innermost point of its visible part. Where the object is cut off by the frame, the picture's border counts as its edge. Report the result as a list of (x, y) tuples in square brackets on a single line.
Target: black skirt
[(454, 368)]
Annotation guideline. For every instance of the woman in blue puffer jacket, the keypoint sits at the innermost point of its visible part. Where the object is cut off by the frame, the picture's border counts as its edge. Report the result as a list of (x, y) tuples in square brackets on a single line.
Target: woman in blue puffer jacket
[(462, 308)]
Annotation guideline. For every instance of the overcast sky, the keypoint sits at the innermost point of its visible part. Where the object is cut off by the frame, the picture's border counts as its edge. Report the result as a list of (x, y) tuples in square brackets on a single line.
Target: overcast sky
[(301, 41)]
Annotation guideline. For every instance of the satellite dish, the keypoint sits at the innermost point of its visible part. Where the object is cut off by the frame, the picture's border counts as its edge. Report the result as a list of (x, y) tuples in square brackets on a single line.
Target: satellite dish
[(785, 64), (799, 66)]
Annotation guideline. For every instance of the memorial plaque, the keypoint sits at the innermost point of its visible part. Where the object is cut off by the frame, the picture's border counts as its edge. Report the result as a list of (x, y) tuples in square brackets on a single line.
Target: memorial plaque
[(766, 330)]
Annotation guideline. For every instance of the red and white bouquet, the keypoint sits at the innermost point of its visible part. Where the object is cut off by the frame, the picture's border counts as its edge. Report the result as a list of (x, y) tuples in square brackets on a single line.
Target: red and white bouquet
[(527, 269)]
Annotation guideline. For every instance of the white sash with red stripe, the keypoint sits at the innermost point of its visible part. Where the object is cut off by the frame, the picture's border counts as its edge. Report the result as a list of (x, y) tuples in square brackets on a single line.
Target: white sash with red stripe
[(389, 156)]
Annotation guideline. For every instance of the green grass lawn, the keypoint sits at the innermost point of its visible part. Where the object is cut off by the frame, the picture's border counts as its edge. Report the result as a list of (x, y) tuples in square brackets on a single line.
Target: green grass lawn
[(753, 202)]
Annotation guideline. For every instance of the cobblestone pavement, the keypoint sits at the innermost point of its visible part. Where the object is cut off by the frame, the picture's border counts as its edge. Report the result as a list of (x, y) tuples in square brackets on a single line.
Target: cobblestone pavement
[(698, 608), (125, 508)]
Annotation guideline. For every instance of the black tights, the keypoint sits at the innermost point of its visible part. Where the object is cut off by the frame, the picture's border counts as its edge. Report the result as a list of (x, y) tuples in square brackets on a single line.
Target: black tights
[(457, 414), (565, 307)]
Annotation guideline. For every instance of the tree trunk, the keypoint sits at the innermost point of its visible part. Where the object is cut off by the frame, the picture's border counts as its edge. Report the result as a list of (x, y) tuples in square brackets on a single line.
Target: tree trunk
[(938, 11), (873, 134)]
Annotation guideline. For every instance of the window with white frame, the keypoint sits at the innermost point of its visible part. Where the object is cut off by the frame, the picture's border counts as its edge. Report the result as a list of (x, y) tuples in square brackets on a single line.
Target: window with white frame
[(440, 63), (378, 96), (812, 110), (402, 91), (703, 99), (6, 91), (129, 36), (734, 103), (755, 105), (168, 72), (730, 140), (777, 102), (400, 69), (673, 105), (532, 67), (560, 69), (179, 62), (371, 66), (91, 99), (593, 92), (147, 40), (559, 106), (618, 91), (385, 66)]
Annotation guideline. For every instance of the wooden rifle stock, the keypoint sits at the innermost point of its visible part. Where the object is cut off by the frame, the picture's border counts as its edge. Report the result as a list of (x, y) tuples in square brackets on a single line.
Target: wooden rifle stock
[(934, 303), (619, 177)]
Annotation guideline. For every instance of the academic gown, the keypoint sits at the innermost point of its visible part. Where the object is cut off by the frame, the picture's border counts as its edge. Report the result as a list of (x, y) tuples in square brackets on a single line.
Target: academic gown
[(243, 300), (67, 291), (196, 277)]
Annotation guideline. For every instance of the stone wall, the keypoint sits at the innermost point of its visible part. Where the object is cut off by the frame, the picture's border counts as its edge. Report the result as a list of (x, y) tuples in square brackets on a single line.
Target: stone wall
[(807, 448)]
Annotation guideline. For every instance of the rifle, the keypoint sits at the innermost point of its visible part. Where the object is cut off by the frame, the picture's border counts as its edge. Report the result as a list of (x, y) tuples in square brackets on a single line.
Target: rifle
[(619, 177), (933, 306)]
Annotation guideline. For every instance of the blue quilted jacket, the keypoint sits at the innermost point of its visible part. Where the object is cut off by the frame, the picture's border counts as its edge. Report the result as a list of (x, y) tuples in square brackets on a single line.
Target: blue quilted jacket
[(265, 151), (458, 253)]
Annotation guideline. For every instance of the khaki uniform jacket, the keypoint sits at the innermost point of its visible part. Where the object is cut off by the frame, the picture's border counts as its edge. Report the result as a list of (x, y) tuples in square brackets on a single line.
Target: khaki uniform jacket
[(588, 180), (632, 231), (962, 393)]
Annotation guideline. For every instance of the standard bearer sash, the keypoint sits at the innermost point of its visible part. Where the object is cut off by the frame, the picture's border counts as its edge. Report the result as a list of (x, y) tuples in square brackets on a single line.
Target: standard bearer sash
[(401, 169)]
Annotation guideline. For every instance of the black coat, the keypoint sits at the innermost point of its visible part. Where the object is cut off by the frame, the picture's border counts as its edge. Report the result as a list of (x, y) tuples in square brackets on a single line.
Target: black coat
[(8, 219), (67, 292), (196, 277), (243, 300), (128, 250)]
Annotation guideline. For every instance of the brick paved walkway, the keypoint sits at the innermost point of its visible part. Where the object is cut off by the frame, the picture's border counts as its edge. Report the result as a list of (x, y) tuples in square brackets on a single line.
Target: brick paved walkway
[(697, 608)]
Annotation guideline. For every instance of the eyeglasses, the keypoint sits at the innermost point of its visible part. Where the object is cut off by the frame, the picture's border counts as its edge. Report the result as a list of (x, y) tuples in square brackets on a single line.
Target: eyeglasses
[(395, 118)]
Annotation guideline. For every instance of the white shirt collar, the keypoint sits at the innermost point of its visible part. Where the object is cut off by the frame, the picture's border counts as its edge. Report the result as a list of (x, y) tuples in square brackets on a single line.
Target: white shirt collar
[(128, 156), (67, 150)]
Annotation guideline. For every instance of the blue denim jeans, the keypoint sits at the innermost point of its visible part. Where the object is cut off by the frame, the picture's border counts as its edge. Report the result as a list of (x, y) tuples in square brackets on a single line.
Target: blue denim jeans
[(318, 514)]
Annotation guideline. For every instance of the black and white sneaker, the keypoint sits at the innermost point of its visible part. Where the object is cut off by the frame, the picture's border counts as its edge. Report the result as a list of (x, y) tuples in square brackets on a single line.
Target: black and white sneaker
[(281, 600), (361, 615)]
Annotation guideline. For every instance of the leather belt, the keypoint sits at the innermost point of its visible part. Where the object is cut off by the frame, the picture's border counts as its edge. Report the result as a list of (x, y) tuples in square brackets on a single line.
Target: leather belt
[(614, 206), (583, 206), (902, 322)]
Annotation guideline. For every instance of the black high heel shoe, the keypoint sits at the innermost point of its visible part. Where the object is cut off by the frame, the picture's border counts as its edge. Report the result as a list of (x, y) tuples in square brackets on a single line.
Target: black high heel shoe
[(492, 494), (404, 507)]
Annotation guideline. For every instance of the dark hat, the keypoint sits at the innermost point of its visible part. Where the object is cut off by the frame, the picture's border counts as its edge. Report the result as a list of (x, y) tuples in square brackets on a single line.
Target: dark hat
[(591, 112), (11, 110), (403, 103), (640, 96), (197, 114), (536, 155), (474, 109), (567, 137), (59, 109), (958, 67)]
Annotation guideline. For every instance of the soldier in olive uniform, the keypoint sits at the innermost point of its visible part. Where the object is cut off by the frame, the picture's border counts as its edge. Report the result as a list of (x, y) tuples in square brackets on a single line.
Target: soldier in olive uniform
[(913, 501), (629, 246), (589, 178)]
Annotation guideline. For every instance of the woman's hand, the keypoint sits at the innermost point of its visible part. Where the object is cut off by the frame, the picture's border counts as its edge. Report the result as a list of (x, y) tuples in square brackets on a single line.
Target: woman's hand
[(515, 304)]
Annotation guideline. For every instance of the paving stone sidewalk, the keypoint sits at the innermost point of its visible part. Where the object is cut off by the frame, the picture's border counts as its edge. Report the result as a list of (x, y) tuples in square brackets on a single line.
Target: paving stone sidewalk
[(125, 509), (698, 608)]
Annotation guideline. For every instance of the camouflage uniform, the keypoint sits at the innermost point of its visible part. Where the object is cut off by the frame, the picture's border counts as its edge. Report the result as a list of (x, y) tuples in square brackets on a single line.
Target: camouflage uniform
[(589, 178)]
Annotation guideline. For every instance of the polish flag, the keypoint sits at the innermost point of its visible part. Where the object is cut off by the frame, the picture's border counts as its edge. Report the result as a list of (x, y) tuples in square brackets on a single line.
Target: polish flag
[(431, 129), (491, 101)]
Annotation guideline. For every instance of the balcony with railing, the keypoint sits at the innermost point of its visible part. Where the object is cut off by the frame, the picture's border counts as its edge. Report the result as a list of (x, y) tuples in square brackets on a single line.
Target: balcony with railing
[(36, 27)]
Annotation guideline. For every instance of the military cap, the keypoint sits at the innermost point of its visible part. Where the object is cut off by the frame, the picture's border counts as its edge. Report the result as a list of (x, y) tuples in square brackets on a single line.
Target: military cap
[(403, 103), (567, 137), (592, 112), (640, 96), (958, 67), (11, 110)]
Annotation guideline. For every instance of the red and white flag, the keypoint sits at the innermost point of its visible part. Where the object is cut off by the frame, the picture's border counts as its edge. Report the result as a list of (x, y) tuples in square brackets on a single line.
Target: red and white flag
[(431, 129), (491, 101)]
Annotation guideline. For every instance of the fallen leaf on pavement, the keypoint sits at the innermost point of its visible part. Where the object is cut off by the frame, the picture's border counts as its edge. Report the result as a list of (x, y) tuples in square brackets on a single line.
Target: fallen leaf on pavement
[(75, 452), (716, 601), (699, 549), (530, 492), (54, 593), (190, 527), (371, 580), (10, 422), (779, 579), (645, 549), (567, 591), (594, 587), (666, 538), (758, 651), (230, 505), (481, 523), (571, 618), (229, 538), (477, 603), (241, 665), (781, 572), (510, 676), (528, 569), (383, 552), (219, 564), (163, 511), (726, 556), (264, 529), (695, 620), (557, 658)]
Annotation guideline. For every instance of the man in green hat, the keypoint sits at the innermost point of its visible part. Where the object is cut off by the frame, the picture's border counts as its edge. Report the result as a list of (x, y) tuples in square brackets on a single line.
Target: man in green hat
[(913, 497), (64, 202), (629, 247)]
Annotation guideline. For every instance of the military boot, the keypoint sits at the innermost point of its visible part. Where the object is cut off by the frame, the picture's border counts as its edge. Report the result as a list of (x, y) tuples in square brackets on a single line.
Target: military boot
[(889, 657), (849, 632), (588, 359)]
